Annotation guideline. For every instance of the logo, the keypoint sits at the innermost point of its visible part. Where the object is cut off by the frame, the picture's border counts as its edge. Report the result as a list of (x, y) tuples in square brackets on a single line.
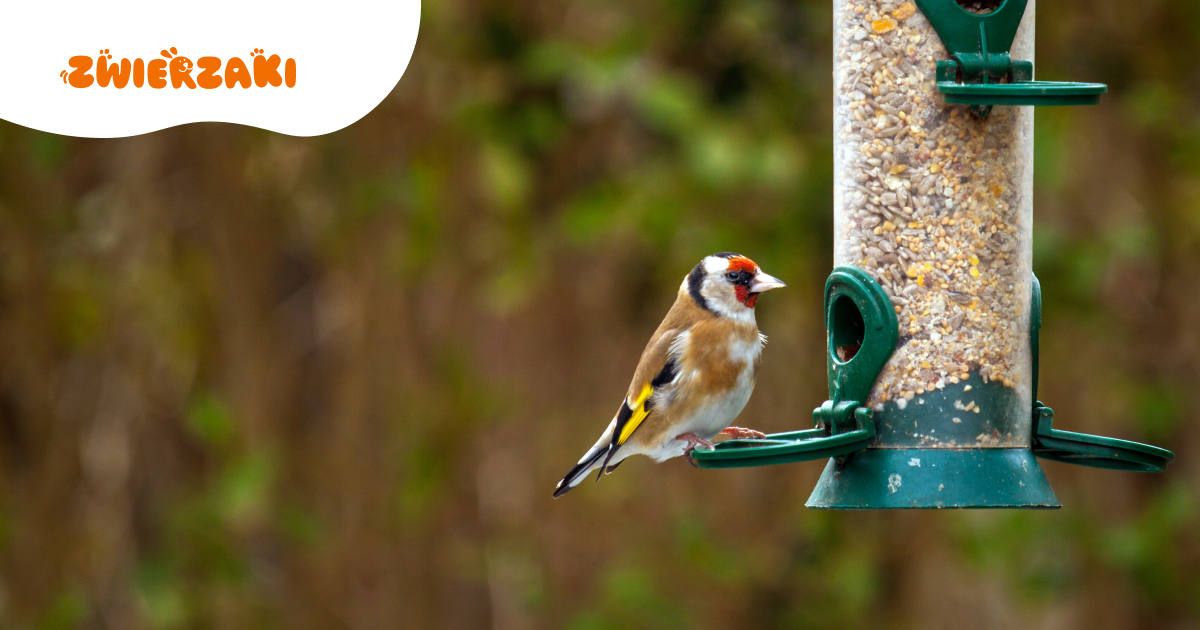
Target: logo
[(118, 68), (175, 70)]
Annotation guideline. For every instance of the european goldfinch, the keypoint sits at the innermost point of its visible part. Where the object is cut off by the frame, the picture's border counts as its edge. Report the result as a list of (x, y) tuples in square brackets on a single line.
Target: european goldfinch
[(695, 375)]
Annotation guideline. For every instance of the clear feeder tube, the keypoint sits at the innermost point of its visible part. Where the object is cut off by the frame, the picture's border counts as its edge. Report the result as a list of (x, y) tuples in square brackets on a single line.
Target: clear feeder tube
[(935, 203)]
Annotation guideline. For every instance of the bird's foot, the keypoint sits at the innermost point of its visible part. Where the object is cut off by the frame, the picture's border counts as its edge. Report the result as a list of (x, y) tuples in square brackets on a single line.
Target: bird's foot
[(740, 433), (693, 441)]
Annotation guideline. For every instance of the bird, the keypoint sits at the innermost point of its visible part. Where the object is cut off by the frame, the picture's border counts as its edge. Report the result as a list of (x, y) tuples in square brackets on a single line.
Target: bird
[(695, 375)]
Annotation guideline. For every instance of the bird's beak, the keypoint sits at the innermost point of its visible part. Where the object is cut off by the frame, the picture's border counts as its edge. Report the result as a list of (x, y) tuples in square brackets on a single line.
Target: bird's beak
[(764, 282)]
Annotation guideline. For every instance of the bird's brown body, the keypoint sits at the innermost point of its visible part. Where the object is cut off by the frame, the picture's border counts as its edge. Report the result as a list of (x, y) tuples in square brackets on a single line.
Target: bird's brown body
[(710, 352), (695, 375)]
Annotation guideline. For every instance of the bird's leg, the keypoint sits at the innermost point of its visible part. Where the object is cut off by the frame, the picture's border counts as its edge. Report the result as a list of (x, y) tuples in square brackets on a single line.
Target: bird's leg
[(739, 433), (693, 441)]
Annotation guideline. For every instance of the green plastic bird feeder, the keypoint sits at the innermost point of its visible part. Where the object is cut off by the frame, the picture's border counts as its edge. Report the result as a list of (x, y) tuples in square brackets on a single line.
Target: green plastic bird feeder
[(933, 312)]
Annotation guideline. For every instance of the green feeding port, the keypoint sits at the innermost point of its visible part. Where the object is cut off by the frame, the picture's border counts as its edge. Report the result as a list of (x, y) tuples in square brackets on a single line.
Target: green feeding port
[(884, 461), (1080, 448), (981, 73), (862, 334)]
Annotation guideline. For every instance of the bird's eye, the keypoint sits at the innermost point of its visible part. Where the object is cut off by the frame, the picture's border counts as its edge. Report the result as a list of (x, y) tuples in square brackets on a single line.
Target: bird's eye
[(733, 276)]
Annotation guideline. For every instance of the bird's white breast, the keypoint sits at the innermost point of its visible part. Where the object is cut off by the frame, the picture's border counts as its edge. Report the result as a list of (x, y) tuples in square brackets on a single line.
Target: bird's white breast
[(716, 412)]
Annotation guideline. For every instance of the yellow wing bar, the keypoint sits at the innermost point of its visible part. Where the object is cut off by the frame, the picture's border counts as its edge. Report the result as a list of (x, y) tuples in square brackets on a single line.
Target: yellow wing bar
[(639, 414)]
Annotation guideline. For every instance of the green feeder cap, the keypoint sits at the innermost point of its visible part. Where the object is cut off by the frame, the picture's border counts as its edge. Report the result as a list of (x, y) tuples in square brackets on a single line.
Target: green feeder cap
[(981, 73)]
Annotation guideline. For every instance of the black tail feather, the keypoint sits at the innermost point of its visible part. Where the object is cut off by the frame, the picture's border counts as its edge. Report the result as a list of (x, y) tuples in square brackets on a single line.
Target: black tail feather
[(566, 484), (604, 468)]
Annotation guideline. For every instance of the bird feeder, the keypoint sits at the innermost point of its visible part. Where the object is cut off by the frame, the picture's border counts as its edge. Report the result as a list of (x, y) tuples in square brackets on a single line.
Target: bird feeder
[(932, 311)]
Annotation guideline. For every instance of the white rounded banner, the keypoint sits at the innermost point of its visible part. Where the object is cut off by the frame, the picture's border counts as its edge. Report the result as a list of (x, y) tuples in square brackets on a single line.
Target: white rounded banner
[(127, 67)]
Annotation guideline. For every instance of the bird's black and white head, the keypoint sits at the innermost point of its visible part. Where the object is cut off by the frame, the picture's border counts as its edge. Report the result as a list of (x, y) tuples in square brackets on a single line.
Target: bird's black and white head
[(728, 285)]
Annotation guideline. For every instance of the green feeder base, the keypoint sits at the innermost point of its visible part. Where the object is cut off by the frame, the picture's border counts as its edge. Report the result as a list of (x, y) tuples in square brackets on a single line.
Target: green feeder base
[(909, 478)]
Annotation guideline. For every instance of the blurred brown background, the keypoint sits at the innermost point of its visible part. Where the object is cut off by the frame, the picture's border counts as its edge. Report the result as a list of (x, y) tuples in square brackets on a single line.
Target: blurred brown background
[(255, 381)]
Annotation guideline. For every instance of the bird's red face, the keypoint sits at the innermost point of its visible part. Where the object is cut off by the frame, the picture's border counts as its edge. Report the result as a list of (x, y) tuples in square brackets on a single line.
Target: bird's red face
[(729, 284), (741, 269)]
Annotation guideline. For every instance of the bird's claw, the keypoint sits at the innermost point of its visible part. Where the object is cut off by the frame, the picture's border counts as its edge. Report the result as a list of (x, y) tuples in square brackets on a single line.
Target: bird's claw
[(740, 433), (693, 441)]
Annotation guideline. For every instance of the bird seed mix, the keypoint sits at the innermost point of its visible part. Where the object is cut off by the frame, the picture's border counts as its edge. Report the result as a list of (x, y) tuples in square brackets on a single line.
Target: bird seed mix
[(933, 202)]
